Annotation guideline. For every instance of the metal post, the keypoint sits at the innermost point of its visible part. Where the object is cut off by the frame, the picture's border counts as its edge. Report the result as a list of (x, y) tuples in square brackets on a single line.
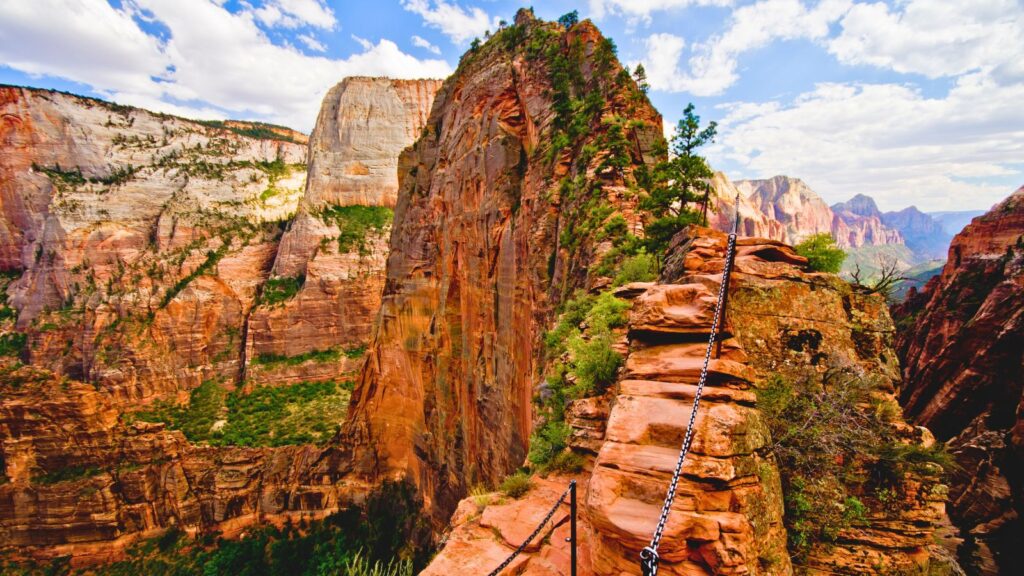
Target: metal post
[(572, 526)]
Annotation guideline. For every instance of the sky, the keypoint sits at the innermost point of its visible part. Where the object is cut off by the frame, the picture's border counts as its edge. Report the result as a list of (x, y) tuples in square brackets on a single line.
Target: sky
[(913, 102)]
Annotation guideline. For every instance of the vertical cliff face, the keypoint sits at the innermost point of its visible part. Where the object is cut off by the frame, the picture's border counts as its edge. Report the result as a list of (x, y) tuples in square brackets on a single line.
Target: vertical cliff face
[(336, 247), (962, 347), (499, 205), (140, 239), (148, 259)]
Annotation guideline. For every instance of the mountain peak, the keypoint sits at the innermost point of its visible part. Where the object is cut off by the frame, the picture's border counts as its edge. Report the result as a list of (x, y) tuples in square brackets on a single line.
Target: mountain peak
[(861, 205)]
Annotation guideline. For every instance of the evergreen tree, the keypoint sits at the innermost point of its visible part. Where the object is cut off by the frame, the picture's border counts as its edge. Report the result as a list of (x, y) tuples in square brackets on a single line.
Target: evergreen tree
[(678, 184), (640, 75), (570, 19)]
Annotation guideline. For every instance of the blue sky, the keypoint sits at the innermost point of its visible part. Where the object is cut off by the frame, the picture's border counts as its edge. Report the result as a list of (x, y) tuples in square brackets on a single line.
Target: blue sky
[(910, 101)]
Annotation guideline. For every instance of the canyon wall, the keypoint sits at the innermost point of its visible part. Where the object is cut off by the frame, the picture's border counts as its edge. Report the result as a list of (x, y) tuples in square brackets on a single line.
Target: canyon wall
[(962, 348), (336, 247), (783, 323), (500, 205), (148, 258)]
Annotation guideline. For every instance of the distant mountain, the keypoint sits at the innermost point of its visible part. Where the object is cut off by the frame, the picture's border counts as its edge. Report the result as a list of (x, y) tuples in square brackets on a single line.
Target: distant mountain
[(785, 208), (953, 222)]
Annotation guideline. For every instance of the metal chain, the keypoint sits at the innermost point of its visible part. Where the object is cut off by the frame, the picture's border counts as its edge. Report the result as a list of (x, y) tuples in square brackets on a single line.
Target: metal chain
[(649, 555), (536, 531)]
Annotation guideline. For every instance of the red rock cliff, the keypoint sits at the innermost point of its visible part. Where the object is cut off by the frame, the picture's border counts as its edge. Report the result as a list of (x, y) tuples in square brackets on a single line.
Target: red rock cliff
[(491, 231), (962, 348)]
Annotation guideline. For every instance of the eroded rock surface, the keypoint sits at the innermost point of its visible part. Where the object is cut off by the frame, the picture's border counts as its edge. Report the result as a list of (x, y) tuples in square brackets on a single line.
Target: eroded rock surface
[(962, 347)]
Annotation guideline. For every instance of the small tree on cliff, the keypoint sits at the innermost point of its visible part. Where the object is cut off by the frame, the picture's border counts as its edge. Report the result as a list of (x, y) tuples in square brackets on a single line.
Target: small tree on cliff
[(677, 184), (640, 75), (569, 19), (822, 253)]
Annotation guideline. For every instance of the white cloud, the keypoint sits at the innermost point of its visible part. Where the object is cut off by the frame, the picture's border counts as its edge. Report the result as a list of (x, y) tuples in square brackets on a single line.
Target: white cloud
[(642, 9), (312, 43), (88, 42), (935, 39), (425, 44), (296, 13), (459, 24), (214, 61), (886, 140), (713, 64), (366, 44)]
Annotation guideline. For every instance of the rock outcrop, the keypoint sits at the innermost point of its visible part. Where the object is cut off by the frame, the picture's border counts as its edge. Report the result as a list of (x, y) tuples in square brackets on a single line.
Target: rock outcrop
[(728, 514), (336, 247), (499, 204), (962, 348), (150, 254)]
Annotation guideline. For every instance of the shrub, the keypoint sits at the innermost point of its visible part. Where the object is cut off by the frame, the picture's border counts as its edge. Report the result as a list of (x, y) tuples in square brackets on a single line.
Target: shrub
[(641, 267), (595, 364), (13, 344), (822, 253), (355, 224), (548, 441), (516, 485), (838, 453), (281, 289)]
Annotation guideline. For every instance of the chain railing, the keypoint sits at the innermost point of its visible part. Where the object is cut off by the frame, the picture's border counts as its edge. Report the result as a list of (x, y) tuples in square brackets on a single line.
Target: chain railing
[(569, 492)]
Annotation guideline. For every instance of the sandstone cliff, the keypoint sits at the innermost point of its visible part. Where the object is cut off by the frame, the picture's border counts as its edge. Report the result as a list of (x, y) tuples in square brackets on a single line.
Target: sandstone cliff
[(526, 157), (962, 348), (728, 517), (336, 247), (156, 258)]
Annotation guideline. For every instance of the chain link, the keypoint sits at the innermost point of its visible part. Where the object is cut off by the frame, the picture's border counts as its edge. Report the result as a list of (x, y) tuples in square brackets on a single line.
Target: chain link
[(536, 531), (649, 555)]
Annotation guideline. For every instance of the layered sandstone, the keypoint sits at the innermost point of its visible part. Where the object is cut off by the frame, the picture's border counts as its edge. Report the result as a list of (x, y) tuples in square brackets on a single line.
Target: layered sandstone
[(962, 349), (122, 217), (491, 239), (753, 221), (91, 489), (364, 125), (728, 514)]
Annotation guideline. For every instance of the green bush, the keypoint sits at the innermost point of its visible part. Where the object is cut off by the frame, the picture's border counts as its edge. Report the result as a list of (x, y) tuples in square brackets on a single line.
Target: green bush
[(822, 253), (12, 344), (516, 485), (641, 267), (839, 454), (66, 474), (303, 413), (355, 224), (595, 364), (548, 441), (281, 289)]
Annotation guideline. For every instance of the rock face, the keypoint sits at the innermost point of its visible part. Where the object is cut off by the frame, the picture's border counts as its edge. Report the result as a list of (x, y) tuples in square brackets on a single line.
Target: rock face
[(93, 488), (152, 253), (363, 126), (753, 221), (803, 213), (492, 237), (962, 347), (728, 514)]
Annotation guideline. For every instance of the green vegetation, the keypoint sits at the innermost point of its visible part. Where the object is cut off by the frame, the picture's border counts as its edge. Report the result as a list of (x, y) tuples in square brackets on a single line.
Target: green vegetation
[(212, 258), (388, 536), (67, 474), (516, 485), (839, 454), (304, 413), (822, 253), (278, 290), (250, 129), (640, 267), (676, 183), (13, 343), (321, 356), (356, 223)]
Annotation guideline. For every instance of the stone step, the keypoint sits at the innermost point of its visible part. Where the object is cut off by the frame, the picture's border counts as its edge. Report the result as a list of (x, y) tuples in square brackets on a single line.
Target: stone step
[(674, 309), (721, 429), (683, 363), (682, 391)]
